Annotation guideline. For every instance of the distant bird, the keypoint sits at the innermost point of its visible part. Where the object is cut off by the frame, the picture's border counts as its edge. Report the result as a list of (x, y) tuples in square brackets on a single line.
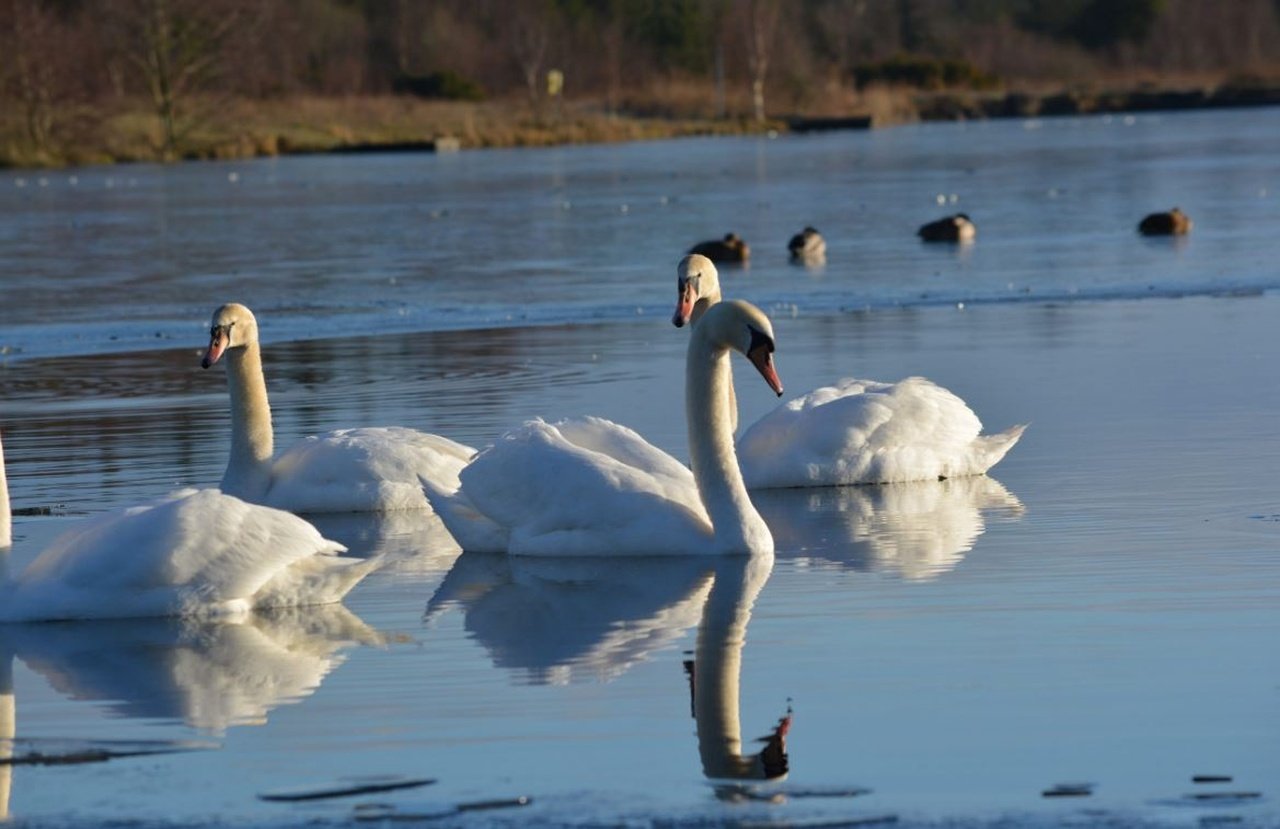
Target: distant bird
[(1167, 223), (729, 249), (957, 228), (807, 246)]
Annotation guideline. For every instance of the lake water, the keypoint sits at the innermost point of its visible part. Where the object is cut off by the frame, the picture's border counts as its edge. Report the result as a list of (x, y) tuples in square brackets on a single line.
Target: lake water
[(1102, 610)]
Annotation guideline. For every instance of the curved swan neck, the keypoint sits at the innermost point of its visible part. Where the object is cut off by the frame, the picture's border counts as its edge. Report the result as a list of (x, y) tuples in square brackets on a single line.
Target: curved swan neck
[(709, 415), (248, 472)]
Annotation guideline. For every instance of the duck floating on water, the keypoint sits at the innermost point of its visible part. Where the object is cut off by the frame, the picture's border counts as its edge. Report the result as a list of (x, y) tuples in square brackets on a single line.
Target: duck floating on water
[(1166, 223), (729, 249), (957, 228)]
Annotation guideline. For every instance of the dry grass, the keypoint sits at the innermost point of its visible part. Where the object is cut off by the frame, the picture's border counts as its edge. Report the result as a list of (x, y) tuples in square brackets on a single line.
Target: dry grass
[(242, 129)]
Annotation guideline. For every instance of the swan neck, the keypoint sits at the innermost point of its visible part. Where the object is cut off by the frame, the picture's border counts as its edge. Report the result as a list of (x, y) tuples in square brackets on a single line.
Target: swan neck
[(248, 472), (709, 412)]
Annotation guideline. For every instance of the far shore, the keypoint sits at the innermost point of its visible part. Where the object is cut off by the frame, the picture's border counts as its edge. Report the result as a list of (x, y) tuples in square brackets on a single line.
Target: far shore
[(238, 129)]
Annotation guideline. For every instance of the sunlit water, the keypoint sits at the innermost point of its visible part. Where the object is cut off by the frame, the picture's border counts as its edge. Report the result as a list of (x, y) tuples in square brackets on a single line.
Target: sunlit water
[(1102, 610)]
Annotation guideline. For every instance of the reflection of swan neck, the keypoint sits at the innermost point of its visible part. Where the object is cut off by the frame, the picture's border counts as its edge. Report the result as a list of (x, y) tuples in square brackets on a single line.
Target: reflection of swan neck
[(6, 520), (8, 728), (249, 470), (735, 522), (718, 669)]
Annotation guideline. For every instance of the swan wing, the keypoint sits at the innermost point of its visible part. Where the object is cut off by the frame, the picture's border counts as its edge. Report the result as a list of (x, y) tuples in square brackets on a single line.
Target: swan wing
[(611, 494), (374, 469), (192, 553), (863, 431)]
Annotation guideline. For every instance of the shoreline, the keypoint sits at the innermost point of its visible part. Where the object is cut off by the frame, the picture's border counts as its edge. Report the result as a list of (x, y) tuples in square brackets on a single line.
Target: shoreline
[(262, 129)]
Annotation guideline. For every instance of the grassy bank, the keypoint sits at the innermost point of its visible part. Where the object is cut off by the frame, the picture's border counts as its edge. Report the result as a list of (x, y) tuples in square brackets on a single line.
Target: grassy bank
[(244, 129)]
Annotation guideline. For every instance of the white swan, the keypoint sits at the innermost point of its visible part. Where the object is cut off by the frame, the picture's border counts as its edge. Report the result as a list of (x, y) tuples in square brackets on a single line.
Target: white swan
[(857, 431), (591, 487), (348, 470), (193, 553)]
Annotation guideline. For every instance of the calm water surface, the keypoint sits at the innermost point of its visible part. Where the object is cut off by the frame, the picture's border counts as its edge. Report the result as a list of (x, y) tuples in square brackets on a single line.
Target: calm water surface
[(1102, 610)]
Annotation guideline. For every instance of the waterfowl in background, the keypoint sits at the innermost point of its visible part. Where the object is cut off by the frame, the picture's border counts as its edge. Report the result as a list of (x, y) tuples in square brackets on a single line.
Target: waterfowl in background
[(592, 487), (729, 249), (856, 431), (372, 469), (1166, 223), (957, 228), (807, 247), (192, 553)]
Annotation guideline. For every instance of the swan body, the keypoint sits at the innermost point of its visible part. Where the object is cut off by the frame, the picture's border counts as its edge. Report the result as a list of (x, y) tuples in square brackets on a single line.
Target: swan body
[(350, 470), (957, 228), (866, 432), (1167, 223), (592, 487), (808, 247), (856, 431), (193, 553)]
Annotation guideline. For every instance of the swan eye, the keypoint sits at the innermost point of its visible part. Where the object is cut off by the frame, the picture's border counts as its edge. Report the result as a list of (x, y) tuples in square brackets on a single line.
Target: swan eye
[(759, 339)]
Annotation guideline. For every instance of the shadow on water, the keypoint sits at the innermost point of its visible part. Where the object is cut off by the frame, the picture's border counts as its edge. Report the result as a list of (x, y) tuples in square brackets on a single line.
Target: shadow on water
[(917, 531)]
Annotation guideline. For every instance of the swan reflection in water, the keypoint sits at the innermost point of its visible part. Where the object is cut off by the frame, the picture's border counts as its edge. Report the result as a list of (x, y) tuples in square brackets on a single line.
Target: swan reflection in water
[(715, 683), (405, 541), (569, 619), (561, 620), (917, 530), (208, 675)]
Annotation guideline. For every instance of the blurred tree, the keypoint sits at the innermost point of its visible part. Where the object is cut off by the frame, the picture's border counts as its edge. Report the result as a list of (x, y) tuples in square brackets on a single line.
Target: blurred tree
[(178, 47), (759, 19)]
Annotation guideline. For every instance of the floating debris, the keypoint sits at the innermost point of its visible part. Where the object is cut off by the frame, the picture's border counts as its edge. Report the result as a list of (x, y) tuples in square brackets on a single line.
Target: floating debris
[(1222, 797), (63, 752), (817, 823), (1068, 790), (348, 787), (35, 510), (1211, 778), (388, 812)]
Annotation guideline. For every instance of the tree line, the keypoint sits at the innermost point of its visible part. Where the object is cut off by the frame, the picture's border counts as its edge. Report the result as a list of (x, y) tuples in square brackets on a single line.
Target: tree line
[(67, 62)]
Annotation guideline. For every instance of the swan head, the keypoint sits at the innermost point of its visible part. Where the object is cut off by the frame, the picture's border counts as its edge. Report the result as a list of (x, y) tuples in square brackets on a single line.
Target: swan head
[(697, 288), (233, 326), (744, 328)]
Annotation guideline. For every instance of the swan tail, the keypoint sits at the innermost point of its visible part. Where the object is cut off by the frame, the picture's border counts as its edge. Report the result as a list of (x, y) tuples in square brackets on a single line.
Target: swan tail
[(321, 579), (989, 450), (474, 531)]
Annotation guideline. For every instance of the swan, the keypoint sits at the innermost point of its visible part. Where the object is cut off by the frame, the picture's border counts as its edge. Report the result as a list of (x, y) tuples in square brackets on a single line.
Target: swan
[(729, 249), (856, 431), (592, 487), (808, 247), (957, 228), (1168, 223), (348, 470), (192, 553)]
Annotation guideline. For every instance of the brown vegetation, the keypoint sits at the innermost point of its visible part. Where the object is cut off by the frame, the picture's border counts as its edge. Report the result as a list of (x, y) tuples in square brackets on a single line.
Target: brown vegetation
[(101, 80)]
